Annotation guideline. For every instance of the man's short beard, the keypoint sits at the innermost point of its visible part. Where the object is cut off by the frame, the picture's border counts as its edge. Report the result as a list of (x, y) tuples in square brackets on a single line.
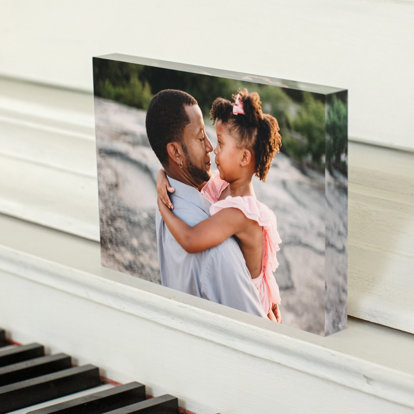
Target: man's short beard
[(195, 172)]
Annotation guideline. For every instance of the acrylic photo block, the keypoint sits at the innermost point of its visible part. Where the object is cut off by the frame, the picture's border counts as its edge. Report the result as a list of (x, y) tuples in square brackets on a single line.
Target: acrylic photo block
[(306, 187)]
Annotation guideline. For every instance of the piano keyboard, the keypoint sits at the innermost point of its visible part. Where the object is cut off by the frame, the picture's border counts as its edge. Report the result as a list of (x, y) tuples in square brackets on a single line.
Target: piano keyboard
[(31, 382)]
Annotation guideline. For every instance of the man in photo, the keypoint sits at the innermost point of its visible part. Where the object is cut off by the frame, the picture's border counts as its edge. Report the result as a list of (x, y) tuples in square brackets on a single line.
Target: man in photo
[(176, 133)]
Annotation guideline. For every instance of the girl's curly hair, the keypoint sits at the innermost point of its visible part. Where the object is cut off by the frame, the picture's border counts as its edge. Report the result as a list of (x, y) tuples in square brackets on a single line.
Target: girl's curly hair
[(257, 131)]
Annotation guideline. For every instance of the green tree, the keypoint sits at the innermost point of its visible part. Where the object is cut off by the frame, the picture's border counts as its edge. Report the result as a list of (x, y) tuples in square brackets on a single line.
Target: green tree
[(337, 131), (122, 82), (309, 125), (277, 103)]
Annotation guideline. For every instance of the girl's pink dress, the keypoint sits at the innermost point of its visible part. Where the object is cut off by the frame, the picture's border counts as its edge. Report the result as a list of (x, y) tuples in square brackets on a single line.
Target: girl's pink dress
[(253, 209)]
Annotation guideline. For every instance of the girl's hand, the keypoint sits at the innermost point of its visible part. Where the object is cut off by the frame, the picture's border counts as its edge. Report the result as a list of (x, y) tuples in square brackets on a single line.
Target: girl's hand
[(162, 207), (163, 188)]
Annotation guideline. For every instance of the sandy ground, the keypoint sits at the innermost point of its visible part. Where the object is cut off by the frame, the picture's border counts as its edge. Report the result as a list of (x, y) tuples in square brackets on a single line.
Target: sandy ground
[(313, 228)]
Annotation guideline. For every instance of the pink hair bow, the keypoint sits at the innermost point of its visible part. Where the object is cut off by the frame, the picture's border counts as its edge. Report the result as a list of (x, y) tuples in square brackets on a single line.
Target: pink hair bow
[(238, 106)]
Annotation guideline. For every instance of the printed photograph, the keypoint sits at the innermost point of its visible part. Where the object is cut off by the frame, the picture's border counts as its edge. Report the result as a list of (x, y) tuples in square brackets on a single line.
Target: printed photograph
[(226, 186)]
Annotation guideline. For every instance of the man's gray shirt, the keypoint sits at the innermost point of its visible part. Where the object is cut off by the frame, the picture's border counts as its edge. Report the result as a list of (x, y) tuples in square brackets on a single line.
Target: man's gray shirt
[(218, 274)]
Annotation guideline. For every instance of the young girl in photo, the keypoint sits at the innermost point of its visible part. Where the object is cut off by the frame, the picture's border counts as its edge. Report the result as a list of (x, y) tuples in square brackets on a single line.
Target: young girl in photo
[(247, 141)]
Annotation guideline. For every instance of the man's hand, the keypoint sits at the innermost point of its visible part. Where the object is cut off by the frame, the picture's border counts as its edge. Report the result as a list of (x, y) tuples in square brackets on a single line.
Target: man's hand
[(163, 188), (276, 312)]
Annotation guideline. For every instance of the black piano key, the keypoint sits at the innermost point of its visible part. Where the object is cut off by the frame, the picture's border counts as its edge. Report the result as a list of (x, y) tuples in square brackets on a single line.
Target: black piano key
[(99, 402), (47, 387), (34, 368), (165, 404), (3, 341), (20, 353)]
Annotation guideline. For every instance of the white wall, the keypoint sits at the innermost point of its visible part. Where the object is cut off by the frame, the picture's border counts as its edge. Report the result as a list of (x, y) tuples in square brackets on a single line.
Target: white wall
[(365, 46)]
